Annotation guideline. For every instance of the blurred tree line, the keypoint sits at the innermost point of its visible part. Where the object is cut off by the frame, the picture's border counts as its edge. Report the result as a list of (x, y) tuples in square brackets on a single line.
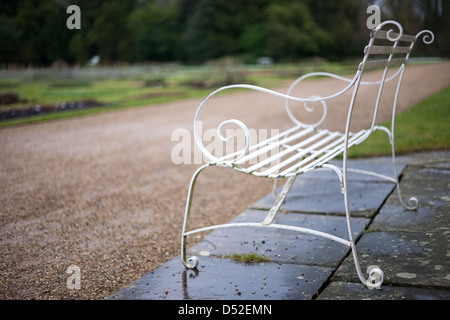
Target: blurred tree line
[(194, 31)]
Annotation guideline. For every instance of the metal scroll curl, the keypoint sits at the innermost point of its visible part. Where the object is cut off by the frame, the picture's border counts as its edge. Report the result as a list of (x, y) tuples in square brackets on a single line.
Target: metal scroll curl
[(244, 128), (376, 277), (389, 34), (309, 108), (220, 134), (428, 36)]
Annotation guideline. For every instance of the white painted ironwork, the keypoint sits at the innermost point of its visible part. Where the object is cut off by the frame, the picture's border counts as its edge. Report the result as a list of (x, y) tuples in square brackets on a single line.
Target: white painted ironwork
[(304, 147)]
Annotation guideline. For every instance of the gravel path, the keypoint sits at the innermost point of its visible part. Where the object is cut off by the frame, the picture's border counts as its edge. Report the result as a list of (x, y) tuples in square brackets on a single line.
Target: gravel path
[(101, 192)]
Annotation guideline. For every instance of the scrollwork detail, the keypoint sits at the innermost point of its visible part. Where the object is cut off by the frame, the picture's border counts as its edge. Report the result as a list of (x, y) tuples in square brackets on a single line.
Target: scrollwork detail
[(428, 36), (389, 32), (413, 203), (241, 125), (309, 109), (191, 262), (376, 277)]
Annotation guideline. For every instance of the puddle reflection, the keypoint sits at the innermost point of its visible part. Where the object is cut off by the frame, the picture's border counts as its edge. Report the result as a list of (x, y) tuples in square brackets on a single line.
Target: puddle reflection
[(184, 280)]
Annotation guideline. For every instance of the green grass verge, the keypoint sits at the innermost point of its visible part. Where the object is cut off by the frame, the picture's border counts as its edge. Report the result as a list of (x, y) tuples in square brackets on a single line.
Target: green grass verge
[(423, 127), (113, 94), (248, 257)]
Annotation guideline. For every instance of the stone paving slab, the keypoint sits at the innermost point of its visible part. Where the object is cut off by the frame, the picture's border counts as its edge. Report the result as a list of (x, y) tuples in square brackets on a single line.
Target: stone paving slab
[(381, 165), (431, 187), (283, 245), (320, 191), (431, 159), (318, 197), (411, 247), (428, 173), (224, 279), (406, 258), (355, 291), (430, 216)]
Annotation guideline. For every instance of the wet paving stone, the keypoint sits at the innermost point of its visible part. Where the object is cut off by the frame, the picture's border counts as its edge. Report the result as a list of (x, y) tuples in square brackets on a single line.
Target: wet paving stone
[(430, 216), (320, 191), (283, 245), (411, 247), (406, 258), (356, 291), (316, 197), (427, 185), (365, 198), (224, 279)]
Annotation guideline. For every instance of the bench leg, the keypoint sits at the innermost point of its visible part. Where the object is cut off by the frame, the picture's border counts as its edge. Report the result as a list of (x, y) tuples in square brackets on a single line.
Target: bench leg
[(192, 262), (279, 201), (376, 275), (413, 202)]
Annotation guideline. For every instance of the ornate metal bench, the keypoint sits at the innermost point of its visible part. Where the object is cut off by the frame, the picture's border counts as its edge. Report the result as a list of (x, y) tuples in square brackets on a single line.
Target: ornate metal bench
[(304, 148)]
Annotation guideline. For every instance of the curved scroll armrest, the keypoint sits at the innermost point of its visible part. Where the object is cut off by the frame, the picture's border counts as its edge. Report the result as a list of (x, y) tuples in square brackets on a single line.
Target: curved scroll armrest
[(279, 94), (325, 74), (351, 82), (288, 97), (332, 75), (240, 124)]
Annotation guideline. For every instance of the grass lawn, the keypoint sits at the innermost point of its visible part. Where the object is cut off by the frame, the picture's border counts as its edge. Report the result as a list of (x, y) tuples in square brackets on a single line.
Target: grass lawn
[(110, 93), (423, 127), (248, 257)]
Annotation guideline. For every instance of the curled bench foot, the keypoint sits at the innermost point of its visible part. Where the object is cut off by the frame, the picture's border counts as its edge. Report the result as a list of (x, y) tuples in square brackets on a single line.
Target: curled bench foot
[(191, 263), (376, 277)]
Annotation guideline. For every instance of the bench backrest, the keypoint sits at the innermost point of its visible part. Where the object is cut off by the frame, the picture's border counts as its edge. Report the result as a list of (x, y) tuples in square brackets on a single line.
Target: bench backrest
[(388, 48)]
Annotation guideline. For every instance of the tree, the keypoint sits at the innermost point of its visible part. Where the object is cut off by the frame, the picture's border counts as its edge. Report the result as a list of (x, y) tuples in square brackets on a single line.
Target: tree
[(253, 39), (341, 21), (155, 32), (293, 33), (109, 32), (194, 31), (30, 16), (215, 26), (54, 40), (10, 38)]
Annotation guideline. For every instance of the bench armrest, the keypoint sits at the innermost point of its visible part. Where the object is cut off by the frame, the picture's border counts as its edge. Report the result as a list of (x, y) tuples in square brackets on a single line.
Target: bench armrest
[(240, 124), (350, 82)]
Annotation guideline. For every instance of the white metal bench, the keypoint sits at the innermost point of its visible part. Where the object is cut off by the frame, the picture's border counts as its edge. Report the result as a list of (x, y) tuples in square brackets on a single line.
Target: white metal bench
[(304, 148)]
